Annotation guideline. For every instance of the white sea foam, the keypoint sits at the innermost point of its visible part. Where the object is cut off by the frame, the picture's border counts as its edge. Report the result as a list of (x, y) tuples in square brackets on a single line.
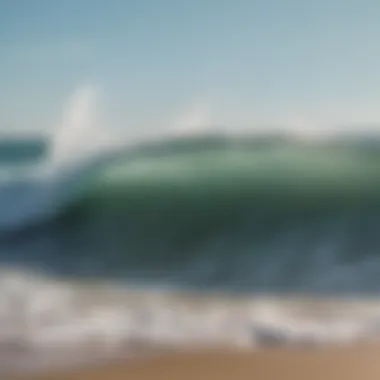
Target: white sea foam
[(42, 315)]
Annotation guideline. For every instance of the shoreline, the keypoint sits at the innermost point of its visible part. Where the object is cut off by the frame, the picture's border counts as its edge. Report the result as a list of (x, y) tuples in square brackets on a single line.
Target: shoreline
[(344, 362)]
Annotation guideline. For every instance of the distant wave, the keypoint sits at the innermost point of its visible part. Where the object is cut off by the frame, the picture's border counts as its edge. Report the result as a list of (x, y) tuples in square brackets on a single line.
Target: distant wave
[(18, 151)]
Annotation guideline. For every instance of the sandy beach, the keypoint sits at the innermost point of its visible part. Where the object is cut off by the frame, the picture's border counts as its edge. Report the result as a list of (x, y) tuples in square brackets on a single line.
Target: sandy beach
[(348, 363)]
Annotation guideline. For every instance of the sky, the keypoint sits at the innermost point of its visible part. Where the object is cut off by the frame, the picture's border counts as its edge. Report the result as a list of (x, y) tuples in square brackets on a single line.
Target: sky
[(158, 64)]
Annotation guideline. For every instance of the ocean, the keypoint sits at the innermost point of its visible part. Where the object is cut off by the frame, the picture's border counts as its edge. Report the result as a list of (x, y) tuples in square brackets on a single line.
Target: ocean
[(244, 240)]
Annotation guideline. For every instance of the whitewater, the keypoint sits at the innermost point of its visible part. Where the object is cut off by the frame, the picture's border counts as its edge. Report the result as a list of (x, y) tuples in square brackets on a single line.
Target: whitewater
[(108, 243)]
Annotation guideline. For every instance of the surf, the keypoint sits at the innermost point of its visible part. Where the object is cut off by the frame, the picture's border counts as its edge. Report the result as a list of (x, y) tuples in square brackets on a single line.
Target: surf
[(253, 234)]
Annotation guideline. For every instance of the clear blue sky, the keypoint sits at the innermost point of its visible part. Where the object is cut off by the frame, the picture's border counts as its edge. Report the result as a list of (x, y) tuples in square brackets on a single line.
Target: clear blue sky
[(241, 62)]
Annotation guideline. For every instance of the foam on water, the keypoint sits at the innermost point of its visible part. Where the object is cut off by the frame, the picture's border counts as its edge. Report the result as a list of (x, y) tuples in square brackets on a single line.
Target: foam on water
[(40, 316)]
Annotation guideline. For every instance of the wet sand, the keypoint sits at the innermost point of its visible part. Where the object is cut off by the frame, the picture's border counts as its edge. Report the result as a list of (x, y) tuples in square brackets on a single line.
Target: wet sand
[(348, 363)]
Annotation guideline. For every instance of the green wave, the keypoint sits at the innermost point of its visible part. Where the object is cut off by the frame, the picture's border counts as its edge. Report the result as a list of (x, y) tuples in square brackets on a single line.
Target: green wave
[(226, 213), (287, 174)]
